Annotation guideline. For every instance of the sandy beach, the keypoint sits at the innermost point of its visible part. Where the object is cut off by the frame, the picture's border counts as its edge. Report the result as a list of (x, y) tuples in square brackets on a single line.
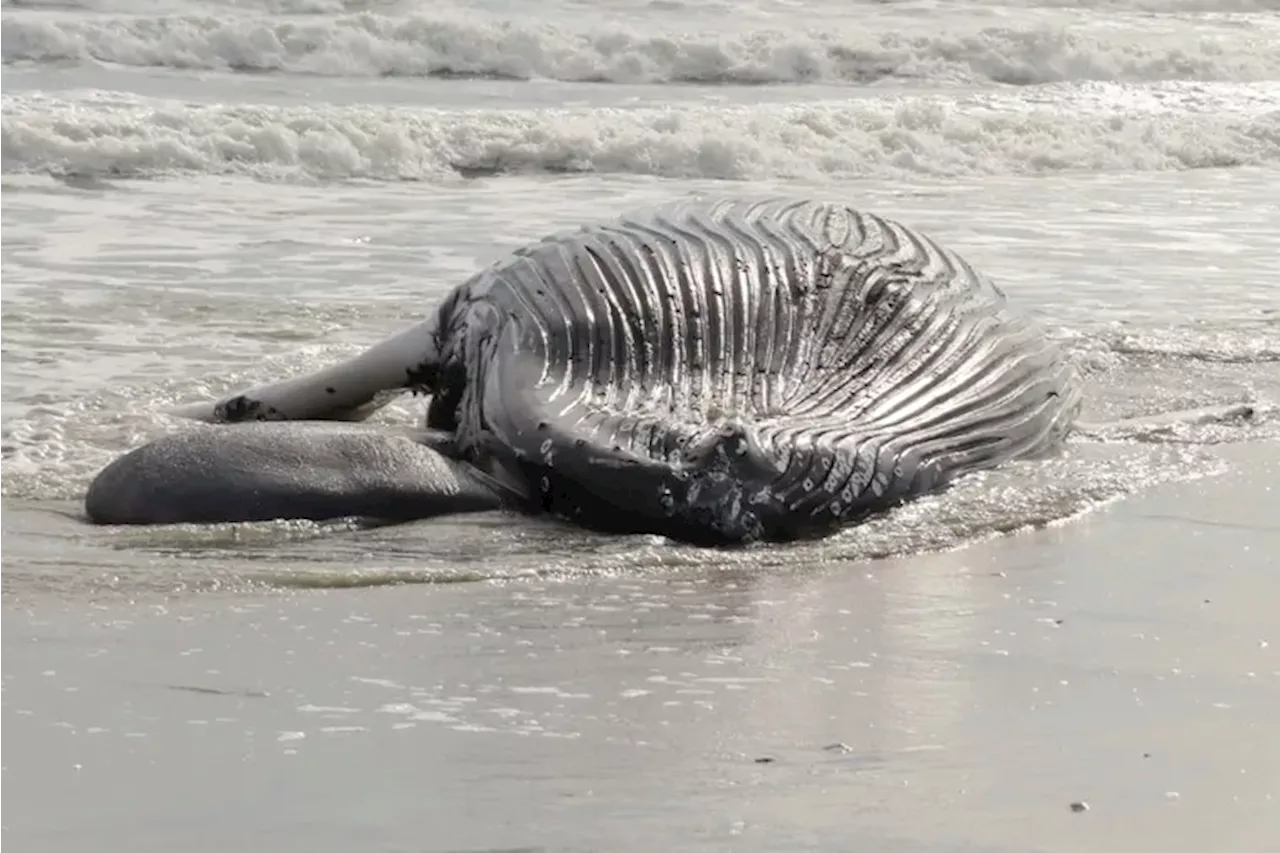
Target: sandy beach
[(1125, 660)]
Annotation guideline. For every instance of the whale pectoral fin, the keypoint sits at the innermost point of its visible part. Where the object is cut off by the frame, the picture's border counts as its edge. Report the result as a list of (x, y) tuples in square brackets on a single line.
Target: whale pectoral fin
[(1145, 425), (351, 390), (258, 472)]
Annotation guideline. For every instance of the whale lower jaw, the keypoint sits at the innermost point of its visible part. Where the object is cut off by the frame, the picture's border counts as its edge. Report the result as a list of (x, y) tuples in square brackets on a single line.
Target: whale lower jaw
[(726, 486), (718, 491)]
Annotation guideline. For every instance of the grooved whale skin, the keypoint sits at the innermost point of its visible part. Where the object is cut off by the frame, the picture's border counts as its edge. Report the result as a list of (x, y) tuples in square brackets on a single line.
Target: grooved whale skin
[(729, 371)]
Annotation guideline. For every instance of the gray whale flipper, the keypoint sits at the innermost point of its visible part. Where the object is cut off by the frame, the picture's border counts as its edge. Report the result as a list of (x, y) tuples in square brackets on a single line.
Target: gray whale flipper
[(351, 390), (259, 471), (716, 371)]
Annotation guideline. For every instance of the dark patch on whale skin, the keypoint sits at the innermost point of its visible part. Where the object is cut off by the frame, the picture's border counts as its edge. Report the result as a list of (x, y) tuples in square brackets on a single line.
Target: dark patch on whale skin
[(244, 408), (732, 371)]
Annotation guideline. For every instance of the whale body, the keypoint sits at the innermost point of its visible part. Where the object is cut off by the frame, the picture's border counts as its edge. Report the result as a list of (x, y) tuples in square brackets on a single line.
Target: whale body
[(717, 371)]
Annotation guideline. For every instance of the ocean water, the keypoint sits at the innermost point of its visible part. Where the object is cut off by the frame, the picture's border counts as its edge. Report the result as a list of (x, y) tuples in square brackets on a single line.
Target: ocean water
[(198, 196)]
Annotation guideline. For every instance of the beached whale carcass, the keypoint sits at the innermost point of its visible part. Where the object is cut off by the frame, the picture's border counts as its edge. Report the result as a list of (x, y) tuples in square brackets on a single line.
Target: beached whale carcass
[(717, 371)]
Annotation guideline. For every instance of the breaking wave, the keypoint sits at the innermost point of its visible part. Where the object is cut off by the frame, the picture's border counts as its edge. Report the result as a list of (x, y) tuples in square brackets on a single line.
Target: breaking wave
[(454, 44), (1100, 129)]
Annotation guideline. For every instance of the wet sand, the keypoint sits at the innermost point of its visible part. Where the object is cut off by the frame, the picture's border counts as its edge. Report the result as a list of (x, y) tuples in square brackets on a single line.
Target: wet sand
[(954, 701)]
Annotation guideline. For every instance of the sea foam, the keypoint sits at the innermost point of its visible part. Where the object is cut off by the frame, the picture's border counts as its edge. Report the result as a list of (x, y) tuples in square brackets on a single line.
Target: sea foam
[(453, 43), (1100, 127)]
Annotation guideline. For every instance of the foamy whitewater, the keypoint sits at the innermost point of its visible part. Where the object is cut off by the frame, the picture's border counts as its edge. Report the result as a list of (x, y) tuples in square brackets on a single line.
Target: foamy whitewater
[(199, 195)]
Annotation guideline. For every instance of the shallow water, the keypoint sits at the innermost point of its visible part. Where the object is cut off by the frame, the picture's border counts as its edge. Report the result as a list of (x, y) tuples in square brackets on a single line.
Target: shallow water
[(94, 362), (198, 196)]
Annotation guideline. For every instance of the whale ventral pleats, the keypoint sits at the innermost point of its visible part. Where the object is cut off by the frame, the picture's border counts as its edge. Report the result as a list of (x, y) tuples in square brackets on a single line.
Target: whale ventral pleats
[(734, 370)]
